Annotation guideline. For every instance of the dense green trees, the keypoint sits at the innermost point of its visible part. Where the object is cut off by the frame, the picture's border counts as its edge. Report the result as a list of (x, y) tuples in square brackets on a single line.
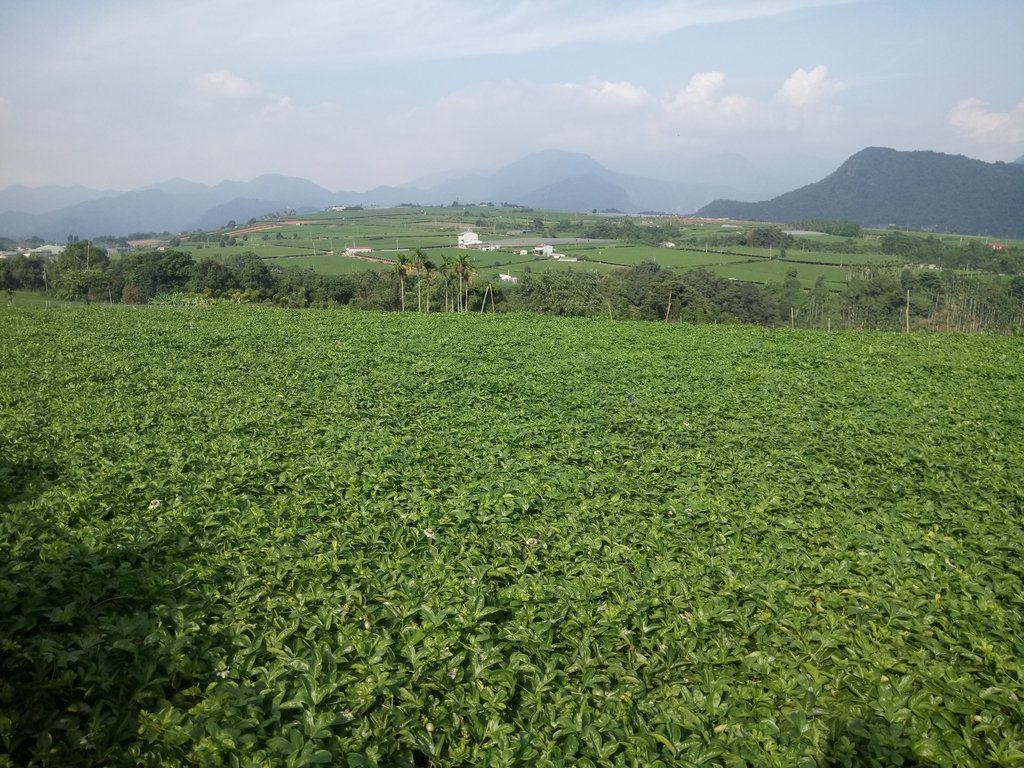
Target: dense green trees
[(24, 272), (645, 292)]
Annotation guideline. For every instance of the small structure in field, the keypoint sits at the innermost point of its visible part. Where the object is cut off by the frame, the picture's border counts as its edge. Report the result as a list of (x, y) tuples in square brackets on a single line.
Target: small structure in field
[(508, 278), (469, 240)]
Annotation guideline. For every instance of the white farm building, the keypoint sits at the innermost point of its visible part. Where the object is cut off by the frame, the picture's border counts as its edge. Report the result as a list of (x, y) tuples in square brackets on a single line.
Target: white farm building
[(469, 240)]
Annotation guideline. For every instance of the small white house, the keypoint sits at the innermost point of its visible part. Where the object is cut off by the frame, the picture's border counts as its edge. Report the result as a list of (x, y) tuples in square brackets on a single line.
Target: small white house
[(545, 251), (508, 278), (469, 240)]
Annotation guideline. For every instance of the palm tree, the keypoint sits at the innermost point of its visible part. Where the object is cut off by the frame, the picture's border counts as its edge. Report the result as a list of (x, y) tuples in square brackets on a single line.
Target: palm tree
[(418, 258), (446, 273), (429, 268), (401, 268), (465, 268)]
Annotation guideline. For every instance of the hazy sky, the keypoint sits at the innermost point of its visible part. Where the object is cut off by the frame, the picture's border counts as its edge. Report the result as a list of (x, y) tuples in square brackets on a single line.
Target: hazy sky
[(356, 93)]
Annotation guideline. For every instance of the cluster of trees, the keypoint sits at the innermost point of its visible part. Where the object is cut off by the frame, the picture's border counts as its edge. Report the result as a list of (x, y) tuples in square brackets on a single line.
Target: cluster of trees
[(972, 254), (630, 230), (645, 292), (24, 271), (85, 272)]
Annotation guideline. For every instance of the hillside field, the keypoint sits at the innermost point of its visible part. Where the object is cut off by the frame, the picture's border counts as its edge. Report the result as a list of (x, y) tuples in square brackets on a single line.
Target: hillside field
[(249, 536)]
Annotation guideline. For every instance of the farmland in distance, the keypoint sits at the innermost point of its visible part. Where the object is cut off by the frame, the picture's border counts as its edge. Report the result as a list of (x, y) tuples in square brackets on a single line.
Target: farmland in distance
[(251, 536)]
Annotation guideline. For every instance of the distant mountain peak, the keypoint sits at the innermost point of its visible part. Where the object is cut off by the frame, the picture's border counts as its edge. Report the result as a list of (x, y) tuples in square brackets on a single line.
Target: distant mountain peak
[(178, 186)]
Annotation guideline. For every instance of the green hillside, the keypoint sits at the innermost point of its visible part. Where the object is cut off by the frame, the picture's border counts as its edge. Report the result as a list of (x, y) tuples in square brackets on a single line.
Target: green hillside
[(919, 190), (252, 536)]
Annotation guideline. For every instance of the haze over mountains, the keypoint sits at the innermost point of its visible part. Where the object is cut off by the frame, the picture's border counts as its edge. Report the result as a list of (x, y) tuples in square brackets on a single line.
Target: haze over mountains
[(550, 179), (875, 187)]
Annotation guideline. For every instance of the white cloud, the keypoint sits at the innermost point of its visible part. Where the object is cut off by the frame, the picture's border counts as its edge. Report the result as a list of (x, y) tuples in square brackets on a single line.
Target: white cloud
[(605, 95), (975, 119), (804, 88), (698, 107), (225, 84), (702, 87)]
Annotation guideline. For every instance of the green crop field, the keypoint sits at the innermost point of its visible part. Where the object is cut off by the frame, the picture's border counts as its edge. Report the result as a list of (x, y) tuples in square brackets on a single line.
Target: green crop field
[(332, 263), (841, 259), (764, 271), (246, 536), (633, 255)]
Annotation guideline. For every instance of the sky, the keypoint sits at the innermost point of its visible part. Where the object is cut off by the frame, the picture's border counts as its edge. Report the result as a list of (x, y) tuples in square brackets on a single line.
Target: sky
[(118, 94)]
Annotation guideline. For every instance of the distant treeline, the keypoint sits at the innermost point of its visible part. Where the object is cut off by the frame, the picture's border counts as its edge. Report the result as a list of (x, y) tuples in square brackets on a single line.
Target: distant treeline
[(881, 298)]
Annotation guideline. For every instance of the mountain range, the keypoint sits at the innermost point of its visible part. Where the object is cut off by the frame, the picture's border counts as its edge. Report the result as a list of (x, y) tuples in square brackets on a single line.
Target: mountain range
[(918, 190), (875, 186), (551, 179)]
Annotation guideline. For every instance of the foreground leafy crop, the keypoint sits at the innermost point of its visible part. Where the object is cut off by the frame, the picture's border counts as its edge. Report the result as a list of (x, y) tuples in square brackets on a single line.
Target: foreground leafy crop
[(258, 537)]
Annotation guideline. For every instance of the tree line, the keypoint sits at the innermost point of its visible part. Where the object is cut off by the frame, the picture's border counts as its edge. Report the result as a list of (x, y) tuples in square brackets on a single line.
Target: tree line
[(892, 298)]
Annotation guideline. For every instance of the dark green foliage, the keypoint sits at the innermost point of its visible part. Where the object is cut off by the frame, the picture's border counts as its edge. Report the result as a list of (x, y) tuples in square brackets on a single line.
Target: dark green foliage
[(764, 237), (630, 230), (561, 293), (155, 272), (23, 272), (646, 292)]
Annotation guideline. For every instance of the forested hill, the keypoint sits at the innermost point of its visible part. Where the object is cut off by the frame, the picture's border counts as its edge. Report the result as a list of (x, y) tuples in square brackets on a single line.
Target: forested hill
[(920, 190)]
